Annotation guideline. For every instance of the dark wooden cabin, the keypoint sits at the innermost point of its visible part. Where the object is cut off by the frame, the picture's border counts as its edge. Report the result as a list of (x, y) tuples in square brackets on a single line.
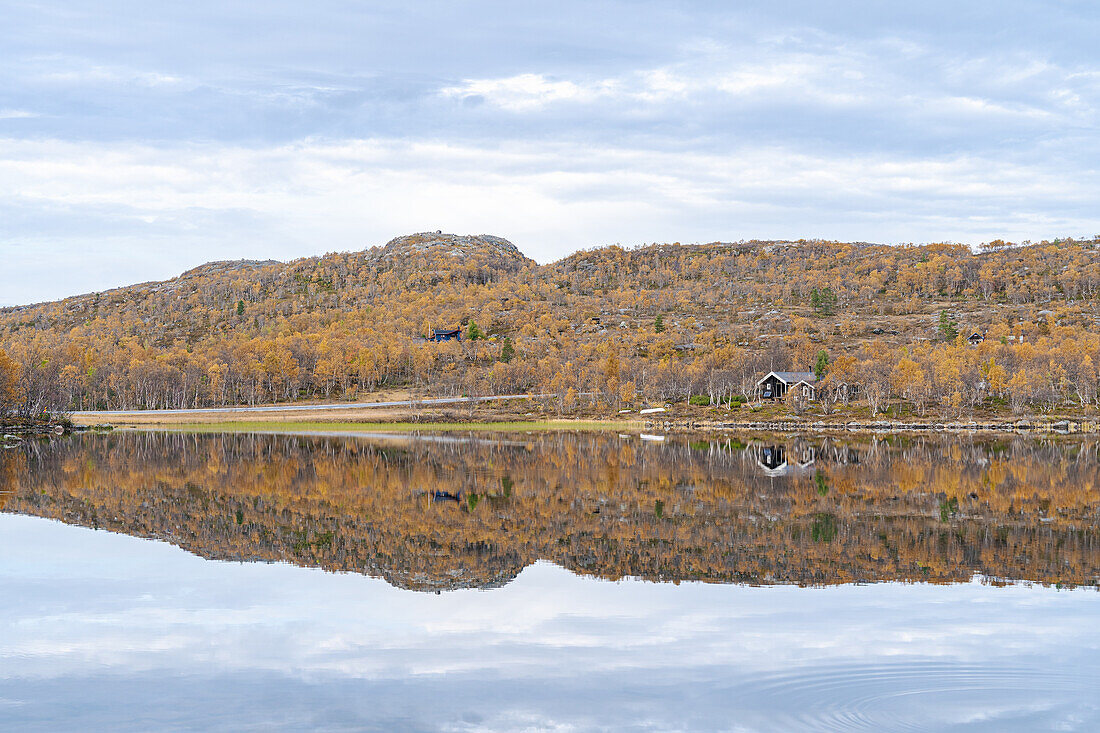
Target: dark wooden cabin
[(775, 385), (446, 334)]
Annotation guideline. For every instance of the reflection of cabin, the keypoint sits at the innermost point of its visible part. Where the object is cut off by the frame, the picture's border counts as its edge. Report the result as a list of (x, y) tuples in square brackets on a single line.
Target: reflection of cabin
[(781, 460), (772, 458), (446, 334), (975, 338), (775, 385)]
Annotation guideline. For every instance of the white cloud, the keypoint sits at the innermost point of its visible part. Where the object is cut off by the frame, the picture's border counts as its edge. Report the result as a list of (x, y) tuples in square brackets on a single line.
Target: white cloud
[(99, 75), (526, 92), (531, 93), (395, 181), (876, 78), (181, 205)]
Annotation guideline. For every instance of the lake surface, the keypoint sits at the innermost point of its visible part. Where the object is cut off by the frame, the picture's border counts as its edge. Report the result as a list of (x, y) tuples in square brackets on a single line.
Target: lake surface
[(552, 581)]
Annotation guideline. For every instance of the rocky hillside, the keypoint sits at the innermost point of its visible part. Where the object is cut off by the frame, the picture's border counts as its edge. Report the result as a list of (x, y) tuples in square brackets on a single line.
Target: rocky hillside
[(227, 267), (883, 326), (427, 259), (496, 251)]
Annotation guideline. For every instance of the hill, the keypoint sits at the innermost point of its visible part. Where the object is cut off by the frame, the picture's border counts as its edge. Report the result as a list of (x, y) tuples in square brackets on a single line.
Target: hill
[(885, 326)]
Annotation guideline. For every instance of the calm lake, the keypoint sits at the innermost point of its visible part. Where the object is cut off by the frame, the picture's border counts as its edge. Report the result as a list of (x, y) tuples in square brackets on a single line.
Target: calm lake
[(549, 581)]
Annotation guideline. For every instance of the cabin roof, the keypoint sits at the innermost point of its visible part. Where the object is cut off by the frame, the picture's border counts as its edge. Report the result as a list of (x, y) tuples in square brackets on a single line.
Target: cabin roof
[(792, 377)]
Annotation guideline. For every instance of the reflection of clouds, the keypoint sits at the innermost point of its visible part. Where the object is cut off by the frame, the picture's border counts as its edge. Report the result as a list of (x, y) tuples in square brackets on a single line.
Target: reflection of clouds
[(87, 614)]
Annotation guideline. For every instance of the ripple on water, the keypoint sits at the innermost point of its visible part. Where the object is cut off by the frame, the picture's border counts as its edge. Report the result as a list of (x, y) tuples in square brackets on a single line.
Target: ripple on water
[(897, 697)]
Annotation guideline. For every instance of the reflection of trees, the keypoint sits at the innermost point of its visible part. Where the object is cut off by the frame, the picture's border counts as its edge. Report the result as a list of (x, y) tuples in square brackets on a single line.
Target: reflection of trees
[(445, 514), (13, 465)]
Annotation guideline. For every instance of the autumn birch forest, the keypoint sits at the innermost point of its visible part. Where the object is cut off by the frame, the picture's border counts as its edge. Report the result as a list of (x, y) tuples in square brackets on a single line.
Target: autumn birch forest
[(886, 328)]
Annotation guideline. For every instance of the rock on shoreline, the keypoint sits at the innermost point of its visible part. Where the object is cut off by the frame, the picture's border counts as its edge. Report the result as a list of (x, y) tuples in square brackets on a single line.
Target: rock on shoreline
[(15, 434)]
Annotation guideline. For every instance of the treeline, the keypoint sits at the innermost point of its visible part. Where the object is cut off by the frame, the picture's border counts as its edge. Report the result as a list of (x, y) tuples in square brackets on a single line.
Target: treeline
[(881, 325), (30, 387)]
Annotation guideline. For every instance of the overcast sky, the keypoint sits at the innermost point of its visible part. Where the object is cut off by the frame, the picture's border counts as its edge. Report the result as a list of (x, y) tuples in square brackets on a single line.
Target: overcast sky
[(139, 139)]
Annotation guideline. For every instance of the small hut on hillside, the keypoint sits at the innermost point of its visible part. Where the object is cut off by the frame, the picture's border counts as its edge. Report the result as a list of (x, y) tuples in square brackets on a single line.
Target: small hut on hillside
[(446, 334), (775, 385)]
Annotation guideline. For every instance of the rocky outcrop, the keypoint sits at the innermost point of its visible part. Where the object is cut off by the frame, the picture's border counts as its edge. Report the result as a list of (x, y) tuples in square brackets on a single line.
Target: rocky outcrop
[(487, 249)]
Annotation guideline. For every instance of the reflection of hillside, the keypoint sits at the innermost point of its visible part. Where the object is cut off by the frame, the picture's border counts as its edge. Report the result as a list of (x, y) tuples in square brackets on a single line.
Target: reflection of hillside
[(438, 515)]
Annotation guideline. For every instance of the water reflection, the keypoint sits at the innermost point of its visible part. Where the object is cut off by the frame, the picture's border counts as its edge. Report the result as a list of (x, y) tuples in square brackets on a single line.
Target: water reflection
[(105, 631), (435, 514), (100, 631), (773, 459)]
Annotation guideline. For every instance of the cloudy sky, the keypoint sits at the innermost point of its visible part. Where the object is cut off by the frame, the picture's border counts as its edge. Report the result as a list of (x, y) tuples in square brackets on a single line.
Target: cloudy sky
[(139, 139)]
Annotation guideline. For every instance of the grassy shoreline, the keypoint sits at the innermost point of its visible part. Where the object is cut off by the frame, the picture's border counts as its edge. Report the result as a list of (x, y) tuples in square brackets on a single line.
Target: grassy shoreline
[(294, 426), (526, 416)]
